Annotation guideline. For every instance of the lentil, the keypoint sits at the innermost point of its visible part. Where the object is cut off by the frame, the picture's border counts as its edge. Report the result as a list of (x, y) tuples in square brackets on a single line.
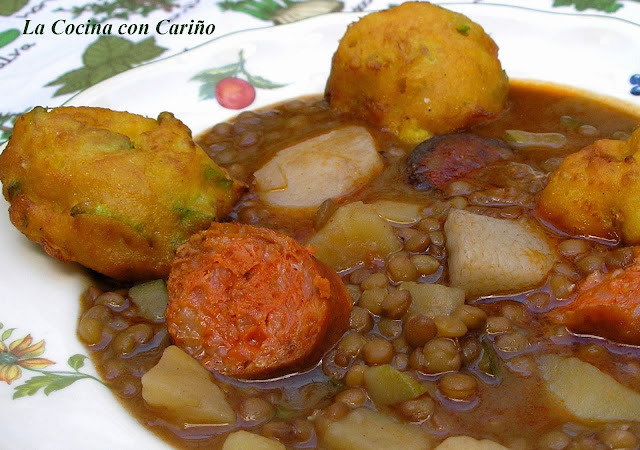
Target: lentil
[(471, 316), (256, 410), (458, 386), (425, 264), (417, 410), (498, 324), (377, 351), (450, 327), (396, 304), (375, 281), (419, 329), (400, 268), (441, 355)]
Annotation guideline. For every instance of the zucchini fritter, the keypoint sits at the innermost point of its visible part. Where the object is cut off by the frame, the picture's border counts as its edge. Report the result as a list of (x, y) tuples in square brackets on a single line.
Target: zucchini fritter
[(596, 191), (417, 70), (114, 191)]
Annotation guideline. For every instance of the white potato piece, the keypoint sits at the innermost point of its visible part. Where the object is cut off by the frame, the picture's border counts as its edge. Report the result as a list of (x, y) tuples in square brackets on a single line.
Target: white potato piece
[(432, 299), (490, 256), (468, 443), (182, 390), (586, 392), (366, 429), (244, 440), (354, 234), (327, 166)]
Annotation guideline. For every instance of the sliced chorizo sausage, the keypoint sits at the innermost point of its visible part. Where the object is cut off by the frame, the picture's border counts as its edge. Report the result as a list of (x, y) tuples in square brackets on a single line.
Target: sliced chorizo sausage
[(436, 162), (250, 302), (609, 309)]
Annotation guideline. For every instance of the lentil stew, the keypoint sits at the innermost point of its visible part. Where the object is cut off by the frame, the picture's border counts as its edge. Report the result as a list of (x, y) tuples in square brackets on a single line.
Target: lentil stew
[(474, 369)]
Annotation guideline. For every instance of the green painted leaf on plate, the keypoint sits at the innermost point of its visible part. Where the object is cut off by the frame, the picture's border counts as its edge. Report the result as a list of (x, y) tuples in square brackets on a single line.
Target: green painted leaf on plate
[(8, 36), (104, 58), (262, 83), (7, 333), (608, 6), (49, 382), (8, 7), (76, 362)]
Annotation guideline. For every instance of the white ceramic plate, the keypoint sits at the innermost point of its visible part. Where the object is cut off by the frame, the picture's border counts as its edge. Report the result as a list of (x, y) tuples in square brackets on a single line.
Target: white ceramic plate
[(38, 295)]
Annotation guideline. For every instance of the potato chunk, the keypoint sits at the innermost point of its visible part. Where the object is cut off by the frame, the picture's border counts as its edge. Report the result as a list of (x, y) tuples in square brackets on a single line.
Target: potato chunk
[(468, 443), (182, 389), (433, 299), (595, 191), (489, 256), (572, 381), (243, 440), (327, 166), (366, 429), (358, 232), (151, 299)]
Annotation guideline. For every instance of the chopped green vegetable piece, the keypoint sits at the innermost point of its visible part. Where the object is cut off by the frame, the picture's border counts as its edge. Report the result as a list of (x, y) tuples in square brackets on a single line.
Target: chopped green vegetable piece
[(103, 211), (463, 29), (387, 385), (490, 363), (519, 139), (151, 299), (14, 188), (214, 174), (284, 413)]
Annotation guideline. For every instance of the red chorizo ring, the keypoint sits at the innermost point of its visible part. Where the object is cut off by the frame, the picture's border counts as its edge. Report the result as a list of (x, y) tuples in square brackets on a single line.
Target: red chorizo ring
[(250, 302), (440, 160)]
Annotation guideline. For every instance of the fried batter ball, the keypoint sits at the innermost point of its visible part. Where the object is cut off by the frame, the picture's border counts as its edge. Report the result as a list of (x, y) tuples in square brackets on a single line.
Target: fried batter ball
[(596, 191), (417, 70), (250, 302), (114, 191)]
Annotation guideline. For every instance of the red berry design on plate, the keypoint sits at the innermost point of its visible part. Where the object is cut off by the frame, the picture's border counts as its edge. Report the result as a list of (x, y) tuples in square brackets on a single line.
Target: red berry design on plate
[(232, 92), (235, 93)]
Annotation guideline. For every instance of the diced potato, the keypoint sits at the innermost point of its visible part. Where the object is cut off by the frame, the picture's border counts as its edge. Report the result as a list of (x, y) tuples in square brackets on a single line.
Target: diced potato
[(398, 212), (244, 440), (182, 390), (468, 443), (432, 299), (151, 299), (490, 256), (327, 166), (586, 392), (387, 386), (354, 234), (366, 429)]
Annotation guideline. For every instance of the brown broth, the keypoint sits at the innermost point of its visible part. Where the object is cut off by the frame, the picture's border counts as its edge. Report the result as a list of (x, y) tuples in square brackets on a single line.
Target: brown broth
[(509, 407)]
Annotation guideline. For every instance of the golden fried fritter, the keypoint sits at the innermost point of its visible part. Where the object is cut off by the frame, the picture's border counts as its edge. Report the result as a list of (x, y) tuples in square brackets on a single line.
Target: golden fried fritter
[(596, 191), (114, 191), (417, 70)]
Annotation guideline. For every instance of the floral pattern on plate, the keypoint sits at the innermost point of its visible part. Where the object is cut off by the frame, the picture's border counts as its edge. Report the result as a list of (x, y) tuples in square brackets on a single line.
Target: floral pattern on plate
[(22, 354)]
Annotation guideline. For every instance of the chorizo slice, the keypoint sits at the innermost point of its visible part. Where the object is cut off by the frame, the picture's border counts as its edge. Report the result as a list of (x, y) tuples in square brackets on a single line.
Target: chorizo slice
[(250, 302), (442, 159), (609, 309)]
